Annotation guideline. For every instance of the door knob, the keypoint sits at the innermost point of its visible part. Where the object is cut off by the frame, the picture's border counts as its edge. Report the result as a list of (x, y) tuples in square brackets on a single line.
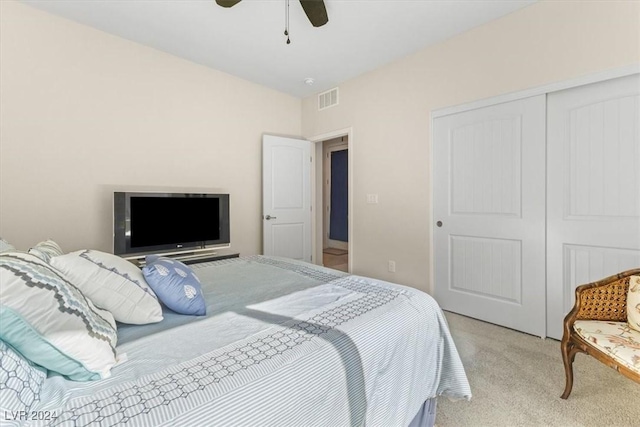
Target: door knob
[(439, 223), (268, 217)]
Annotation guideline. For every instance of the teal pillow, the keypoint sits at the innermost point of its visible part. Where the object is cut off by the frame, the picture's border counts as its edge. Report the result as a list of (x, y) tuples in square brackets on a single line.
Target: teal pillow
[(175, 284)]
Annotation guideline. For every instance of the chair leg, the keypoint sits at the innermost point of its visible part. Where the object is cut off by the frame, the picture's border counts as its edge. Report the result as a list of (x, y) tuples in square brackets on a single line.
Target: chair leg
[(568, 356)]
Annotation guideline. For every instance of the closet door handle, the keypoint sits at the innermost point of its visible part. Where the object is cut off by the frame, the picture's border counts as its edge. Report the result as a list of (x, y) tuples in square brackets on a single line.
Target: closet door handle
[(439, 223), (268, 217)]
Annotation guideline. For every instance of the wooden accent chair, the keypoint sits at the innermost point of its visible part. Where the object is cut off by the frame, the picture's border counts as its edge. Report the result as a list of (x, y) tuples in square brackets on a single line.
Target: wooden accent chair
[(604, 301)]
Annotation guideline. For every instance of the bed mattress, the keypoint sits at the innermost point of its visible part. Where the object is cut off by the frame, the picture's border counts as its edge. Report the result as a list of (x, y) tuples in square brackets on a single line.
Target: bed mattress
[(284, 343)]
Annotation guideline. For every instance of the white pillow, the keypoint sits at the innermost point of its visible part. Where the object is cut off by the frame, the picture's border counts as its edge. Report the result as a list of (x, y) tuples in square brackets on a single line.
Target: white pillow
[(46, 250), (50, 322), (5, 246), (111, 283), (633, 303)]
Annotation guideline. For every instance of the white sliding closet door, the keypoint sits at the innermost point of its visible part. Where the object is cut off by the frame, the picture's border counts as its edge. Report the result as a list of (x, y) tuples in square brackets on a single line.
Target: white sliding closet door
[(489, 199), (593, 188)]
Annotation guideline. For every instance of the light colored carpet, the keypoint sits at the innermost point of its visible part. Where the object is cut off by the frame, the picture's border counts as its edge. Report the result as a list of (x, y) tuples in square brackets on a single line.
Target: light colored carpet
[(517, 379), (341, 267), (337, 262), (335, 251)]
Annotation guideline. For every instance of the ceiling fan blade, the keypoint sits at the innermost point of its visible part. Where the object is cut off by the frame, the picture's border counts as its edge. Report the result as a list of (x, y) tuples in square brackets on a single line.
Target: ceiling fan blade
[(316, 12), (227, 3)]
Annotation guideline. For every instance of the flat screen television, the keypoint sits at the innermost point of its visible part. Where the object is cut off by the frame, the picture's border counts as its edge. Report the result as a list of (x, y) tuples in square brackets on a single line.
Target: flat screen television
[(169, 222)]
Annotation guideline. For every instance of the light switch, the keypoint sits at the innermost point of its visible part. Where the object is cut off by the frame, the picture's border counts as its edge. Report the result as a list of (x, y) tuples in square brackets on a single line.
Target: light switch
[(372, 198)]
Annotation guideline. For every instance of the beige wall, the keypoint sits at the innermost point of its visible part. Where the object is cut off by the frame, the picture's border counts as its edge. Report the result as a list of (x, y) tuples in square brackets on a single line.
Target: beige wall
[(389, 110), (84, 113)]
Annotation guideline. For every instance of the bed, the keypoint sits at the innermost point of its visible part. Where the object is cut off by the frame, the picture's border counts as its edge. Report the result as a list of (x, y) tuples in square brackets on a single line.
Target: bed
[(283, 343)]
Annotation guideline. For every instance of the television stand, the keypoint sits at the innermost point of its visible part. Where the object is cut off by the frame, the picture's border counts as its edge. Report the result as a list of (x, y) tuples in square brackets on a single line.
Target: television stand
[(185, 257), (208, 258)]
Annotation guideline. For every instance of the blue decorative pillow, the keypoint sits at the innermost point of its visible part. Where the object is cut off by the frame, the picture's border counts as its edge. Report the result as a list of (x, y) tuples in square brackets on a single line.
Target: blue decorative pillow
[(175, 284)]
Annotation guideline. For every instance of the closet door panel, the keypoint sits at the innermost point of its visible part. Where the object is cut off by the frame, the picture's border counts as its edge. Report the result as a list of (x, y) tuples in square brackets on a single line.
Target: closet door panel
[(489, 202), (593, 188)]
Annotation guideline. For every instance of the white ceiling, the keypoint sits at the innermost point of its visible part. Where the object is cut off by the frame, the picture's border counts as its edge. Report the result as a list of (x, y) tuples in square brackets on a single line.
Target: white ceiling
[(247, 40)]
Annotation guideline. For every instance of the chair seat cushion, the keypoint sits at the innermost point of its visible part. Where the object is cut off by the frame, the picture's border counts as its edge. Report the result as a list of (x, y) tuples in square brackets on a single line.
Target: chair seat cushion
[(615, 339)]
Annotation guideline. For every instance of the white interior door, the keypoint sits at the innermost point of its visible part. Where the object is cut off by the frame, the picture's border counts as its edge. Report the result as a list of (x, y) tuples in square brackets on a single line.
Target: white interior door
[(593, 188), (489, 209), (286, 197)]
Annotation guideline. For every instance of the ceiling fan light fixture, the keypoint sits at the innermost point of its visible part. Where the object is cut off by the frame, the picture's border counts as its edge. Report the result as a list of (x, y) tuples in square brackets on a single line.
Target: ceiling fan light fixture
[(314, 9)]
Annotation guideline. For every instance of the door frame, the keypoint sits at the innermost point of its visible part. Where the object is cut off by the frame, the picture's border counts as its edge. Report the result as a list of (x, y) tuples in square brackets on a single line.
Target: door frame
[(583, 80), (317, 221)]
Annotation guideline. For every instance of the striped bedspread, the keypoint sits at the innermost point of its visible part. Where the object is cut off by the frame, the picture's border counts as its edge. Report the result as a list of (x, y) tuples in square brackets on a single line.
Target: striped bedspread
[(284, 343)]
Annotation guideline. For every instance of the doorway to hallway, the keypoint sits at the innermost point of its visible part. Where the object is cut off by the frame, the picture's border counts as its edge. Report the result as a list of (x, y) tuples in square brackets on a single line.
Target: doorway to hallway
[(336, 203)]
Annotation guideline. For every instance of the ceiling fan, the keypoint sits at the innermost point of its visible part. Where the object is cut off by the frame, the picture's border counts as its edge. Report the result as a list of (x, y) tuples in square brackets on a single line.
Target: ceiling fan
[(315, 10)]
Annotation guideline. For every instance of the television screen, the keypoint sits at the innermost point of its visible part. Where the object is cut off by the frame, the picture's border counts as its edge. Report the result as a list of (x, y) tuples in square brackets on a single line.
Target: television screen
[(151, 222)]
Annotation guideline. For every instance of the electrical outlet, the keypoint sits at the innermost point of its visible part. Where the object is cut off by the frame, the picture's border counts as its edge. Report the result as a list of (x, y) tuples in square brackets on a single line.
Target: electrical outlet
[(392, 266)]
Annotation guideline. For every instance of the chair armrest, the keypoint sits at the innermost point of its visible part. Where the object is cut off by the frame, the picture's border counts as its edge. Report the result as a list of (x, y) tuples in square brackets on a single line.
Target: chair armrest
[(604, 300)]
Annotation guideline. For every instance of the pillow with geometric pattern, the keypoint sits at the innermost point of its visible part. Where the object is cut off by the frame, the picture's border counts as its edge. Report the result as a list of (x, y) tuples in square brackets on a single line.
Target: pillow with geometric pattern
[(51, 322), (20, 381), (112, 283), (633, 303)]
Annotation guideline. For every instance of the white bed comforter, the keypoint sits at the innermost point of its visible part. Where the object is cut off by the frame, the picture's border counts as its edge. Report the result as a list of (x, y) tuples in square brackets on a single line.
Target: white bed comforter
[(284, 343)]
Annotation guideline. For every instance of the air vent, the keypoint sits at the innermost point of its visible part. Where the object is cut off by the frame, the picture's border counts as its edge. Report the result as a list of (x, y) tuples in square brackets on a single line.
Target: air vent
[(328, 99)]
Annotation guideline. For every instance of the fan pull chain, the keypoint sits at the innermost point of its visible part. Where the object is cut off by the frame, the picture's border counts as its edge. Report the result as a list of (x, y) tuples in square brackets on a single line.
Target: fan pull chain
[(286, 20)]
